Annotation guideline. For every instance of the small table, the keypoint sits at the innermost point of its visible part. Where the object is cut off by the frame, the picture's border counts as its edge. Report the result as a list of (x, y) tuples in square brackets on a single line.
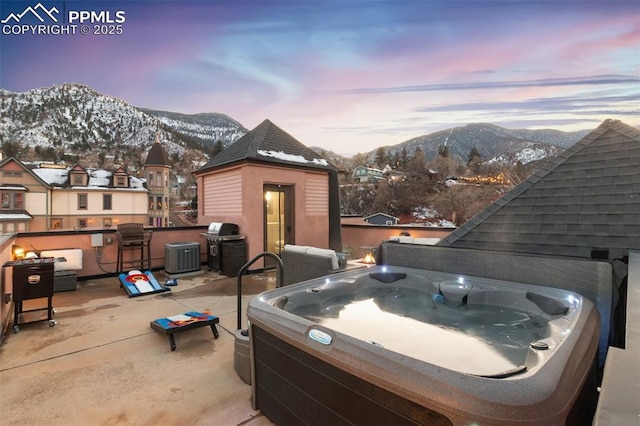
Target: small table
[(187, 321)]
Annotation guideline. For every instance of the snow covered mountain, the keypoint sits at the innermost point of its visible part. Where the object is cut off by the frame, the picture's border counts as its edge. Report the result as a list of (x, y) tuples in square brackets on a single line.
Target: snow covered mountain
[(75, 123), (494, 143), (72, 121), (205, 128)]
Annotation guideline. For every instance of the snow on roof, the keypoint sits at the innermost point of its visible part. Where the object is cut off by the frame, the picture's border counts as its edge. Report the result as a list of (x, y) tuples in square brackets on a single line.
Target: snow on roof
[(14, 216), (98, 179), (13, 187), (52, 176), (292, 158), (135, 183)]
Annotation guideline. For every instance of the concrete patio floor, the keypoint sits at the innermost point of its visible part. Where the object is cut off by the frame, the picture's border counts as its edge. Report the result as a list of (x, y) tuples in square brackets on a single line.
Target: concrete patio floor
[(102, 364)]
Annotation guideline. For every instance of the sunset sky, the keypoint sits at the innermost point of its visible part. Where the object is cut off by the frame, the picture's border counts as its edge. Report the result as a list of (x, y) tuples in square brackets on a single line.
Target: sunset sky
[(348, 76)]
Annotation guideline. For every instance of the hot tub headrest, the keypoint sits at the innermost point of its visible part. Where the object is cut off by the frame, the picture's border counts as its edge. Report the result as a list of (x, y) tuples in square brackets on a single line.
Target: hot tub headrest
[(388, 277), (548, 305)]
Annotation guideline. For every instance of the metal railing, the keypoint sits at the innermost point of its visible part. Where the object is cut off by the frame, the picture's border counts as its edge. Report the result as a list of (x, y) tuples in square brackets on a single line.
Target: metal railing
[(245, 268)]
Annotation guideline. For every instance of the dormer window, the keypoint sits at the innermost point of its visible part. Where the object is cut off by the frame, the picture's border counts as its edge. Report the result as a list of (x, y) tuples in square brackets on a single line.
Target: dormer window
[(120, 181), (78, 178)]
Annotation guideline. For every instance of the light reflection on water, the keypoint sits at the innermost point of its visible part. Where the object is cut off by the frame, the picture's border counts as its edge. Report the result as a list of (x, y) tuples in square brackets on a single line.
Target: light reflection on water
[(475, 339)]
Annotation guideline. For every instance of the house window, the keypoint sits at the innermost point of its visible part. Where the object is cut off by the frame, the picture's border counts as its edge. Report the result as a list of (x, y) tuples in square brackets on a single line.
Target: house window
[(10, 227), (159, 179), (78, 179), (121, 181), (82, 223), (159, 203), (55, 223), (151, 204), (106, 201), (12, 174), (11, 200), (83, 201)]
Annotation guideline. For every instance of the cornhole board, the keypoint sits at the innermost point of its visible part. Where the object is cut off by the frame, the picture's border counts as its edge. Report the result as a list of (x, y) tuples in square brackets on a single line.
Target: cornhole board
[(183, 322), (141, 284)]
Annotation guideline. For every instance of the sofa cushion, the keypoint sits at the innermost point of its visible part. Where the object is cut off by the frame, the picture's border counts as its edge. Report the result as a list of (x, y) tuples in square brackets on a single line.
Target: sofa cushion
[(73, 259), (296, 249), (325, 253)]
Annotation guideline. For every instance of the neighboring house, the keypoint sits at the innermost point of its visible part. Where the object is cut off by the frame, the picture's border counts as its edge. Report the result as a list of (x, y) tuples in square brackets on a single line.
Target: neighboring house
[(23, 198), (585, 202), (276, 189), (57, 197), (395, 175), (157, 168), (365, 174), (381, 219)]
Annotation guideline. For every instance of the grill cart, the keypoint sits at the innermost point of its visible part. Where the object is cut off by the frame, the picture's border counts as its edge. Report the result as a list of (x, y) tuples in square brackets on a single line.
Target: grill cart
[(32, 279)]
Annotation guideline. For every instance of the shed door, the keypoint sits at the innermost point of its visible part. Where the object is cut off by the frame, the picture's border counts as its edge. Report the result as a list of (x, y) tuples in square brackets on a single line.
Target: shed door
[(278, 217)]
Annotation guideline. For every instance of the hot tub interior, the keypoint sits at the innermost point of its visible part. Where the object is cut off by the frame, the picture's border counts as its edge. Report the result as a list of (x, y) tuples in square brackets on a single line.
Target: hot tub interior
[(429, 317)]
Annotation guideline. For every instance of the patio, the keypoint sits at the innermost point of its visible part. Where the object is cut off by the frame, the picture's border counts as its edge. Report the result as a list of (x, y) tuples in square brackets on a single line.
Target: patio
[(103, 364)]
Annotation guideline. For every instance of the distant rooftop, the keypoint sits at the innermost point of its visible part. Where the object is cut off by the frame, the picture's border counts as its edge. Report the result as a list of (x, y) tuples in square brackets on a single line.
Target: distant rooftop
[(157, 155), (98, 179)]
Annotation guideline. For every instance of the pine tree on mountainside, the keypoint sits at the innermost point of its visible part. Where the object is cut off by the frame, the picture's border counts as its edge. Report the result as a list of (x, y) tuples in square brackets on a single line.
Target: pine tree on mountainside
[(474, 160)]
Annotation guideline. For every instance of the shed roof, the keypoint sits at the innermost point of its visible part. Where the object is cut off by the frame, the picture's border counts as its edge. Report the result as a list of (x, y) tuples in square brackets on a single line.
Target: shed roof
[(379, 214), (588, 197), (268, 143)]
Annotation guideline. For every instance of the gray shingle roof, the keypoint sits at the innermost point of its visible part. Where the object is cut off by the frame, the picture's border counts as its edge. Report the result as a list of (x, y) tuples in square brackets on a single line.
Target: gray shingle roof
[(587, 197), (268, 143)]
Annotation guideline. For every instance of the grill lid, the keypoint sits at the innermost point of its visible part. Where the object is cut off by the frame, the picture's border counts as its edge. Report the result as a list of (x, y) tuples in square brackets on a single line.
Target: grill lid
[(222, 229)]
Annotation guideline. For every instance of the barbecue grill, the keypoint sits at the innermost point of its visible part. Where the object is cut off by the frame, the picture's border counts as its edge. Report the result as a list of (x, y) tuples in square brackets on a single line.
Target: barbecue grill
[(226, 248), (32, 279)]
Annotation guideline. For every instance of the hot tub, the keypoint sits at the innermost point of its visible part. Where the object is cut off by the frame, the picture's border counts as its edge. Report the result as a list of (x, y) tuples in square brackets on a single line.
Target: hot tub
[(392, 345)]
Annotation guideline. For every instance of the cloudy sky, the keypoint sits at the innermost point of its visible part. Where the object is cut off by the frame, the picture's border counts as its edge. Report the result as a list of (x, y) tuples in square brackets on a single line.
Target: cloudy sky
[(345, 75)]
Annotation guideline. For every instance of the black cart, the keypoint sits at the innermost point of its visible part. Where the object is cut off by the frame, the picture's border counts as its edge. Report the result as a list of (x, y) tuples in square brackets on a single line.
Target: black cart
[(32, 279)]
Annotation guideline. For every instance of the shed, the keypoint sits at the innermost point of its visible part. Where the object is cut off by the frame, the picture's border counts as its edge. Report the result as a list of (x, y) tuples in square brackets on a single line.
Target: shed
[(275, 188), (381, 219)]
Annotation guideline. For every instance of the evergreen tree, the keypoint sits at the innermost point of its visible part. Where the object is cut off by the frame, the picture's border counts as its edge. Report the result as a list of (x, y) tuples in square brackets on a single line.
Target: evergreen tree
[(443, 151), (381, 156), (403, 158), (474, 161), (217, 148), (416, 165)]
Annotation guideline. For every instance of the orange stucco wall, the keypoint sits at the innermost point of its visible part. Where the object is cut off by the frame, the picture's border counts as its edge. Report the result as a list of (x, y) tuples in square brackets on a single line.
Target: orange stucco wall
[(361, 239), (101, 261), (6, 283)]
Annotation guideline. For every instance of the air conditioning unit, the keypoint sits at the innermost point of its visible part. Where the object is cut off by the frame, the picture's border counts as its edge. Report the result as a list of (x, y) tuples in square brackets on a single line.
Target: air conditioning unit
[(181, 257)]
